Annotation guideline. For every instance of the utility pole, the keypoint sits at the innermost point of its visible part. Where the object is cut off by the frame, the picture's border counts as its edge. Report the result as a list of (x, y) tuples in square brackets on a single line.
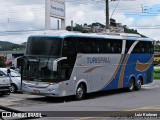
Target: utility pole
[(58, 24), (142, 8), (107, 14), (72, 25)]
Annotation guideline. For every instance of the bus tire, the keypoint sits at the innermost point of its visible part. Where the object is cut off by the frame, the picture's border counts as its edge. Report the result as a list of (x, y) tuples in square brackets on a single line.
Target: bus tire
[(131, 85), (138, 84), (80, 92)]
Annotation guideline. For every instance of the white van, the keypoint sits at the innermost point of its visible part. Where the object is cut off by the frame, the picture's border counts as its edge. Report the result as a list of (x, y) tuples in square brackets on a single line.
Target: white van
[(4, 84)]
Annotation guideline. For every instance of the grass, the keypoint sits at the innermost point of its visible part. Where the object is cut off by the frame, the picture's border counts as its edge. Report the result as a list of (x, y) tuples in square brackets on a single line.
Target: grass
[(157, 74), (156, 70)]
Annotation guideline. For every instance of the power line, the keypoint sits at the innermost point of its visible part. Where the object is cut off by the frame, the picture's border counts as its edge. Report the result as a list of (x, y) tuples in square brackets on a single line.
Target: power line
[(69, 5), (115, 9), (21, 31), (81, 3), (149, 28), (24, 19)]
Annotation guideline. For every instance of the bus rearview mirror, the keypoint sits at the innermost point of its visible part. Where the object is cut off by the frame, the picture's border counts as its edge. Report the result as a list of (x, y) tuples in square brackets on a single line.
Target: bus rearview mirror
[(55, 62)]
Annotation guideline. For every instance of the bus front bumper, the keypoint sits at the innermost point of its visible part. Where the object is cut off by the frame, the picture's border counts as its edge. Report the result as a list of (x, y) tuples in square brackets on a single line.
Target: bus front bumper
[(51, 90)]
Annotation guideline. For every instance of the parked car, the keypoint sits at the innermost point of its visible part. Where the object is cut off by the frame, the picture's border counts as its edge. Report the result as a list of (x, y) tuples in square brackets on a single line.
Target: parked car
[(15, 79), (4, 84)]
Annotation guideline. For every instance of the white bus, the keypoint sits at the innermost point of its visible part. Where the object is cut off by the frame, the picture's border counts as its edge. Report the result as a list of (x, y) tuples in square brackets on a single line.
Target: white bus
[(63, 63)]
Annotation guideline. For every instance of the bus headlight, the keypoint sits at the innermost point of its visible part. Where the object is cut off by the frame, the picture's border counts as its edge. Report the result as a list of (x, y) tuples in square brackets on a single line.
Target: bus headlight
[(51, 83), (51, 90), (24, 81)]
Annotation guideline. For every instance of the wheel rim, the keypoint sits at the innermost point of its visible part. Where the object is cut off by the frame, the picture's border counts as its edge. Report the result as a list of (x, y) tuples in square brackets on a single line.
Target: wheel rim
[(12, 89), (131, 85), (139, 84), (80, 92)]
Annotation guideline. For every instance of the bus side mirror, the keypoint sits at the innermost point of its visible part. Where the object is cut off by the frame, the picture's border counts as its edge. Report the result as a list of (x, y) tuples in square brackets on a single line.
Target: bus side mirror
[(55, 62), (54, 65), (15, 61)]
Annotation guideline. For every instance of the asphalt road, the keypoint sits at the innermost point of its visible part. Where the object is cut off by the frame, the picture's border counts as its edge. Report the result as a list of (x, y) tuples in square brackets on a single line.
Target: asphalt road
[(147, 99)]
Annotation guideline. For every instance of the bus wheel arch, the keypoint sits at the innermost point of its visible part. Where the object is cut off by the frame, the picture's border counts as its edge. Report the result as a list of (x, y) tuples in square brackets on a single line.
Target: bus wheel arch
[(131, 84), (139, 83), (81, 90)]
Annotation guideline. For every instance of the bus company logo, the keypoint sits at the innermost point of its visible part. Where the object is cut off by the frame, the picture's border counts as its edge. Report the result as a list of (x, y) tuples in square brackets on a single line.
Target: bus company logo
[(6, 114), (20, 115), (98, 60)]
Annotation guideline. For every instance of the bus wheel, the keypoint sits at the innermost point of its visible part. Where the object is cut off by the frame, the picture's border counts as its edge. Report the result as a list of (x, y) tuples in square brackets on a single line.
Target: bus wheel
[(138, 84), (80, 92), (131, 85)]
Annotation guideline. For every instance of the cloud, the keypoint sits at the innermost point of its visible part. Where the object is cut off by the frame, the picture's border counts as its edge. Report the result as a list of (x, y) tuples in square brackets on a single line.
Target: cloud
[(13, 2), (78, 16), (121, 18), (30, 15)]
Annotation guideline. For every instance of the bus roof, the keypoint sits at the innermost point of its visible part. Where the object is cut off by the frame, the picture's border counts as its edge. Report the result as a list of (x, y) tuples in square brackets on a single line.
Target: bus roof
[(64, 34)]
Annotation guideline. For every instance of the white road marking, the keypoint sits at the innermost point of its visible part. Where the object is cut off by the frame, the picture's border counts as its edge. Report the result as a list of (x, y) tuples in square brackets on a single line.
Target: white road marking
[(150, 86)]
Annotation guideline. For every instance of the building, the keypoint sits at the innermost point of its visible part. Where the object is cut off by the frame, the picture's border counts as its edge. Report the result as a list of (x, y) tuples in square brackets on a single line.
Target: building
[(10, 56)]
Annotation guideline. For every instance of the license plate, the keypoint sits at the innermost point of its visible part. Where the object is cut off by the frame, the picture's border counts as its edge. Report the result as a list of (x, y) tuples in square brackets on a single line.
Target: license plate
[(36, 91)]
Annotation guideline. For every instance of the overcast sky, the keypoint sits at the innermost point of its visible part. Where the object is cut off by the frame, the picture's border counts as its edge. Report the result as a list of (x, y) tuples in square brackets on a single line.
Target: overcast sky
[(25, 15)]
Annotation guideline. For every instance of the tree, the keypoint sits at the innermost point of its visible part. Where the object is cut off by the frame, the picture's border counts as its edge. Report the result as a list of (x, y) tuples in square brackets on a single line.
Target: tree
[(68, 28), (78, 28), (85, 24), (2, 60)]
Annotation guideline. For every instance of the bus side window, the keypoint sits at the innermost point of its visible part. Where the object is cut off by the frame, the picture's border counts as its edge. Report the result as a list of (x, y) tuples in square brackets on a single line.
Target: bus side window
[(95, 46), (68, 48), (151, 47), (109, 48), (128, 45), (70, 52)]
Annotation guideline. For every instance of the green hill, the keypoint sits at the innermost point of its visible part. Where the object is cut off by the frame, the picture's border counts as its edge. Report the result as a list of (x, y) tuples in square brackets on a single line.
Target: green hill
[(4, 45)]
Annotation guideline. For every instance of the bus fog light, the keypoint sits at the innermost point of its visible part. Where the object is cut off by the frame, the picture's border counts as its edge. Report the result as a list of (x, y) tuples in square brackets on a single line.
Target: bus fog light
[(51, 83)]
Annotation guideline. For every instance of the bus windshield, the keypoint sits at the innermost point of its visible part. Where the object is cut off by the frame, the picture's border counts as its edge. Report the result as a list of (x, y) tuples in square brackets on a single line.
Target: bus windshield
[(40, 68), (46, 46)]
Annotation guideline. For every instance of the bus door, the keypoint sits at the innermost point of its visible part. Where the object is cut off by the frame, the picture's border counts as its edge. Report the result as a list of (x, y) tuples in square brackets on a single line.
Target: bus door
[(67, 65)]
